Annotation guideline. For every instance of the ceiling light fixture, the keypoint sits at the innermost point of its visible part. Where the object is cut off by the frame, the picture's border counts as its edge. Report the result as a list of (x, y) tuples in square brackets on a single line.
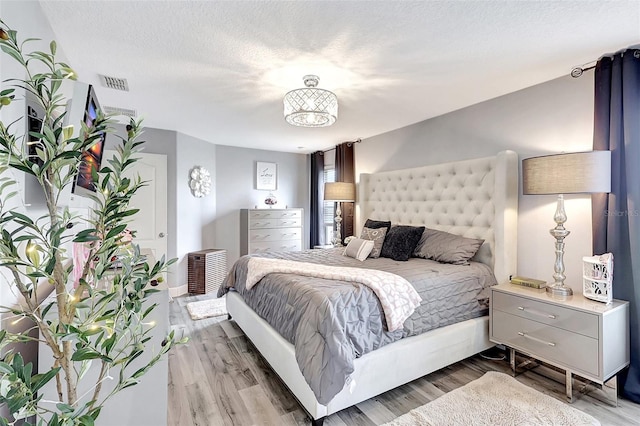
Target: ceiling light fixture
[(310, 106)]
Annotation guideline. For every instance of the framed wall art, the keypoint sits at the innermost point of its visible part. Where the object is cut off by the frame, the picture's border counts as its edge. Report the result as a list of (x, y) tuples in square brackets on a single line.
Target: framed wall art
[(266, 175)]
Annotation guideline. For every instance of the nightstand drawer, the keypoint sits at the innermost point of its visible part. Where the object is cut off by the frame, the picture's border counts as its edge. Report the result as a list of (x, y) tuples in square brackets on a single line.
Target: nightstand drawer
[(568, 319), (553, 344)]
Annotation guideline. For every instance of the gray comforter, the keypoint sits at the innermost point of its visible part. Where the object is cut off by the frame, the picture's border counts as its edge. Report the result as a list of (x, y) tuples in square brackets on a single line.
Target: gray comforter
[(331, 323)]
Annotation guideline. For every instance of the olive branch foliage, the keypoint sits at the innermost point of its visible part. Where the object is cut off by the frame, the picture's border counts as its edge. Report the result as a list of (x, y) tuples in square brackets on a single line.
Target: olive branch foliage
[(104, 327)]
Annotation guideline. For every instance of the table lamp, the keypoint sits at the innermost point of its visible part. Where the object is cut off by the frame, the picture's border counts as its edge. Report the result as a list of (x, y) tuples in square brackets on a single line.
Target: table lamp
[(339, 192), (572, 173)]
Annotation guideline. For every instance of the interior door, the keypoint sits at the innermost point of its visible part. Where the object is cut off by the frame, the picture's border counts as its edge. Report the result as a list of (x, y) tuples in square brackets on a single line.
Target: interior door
[(150, 223)]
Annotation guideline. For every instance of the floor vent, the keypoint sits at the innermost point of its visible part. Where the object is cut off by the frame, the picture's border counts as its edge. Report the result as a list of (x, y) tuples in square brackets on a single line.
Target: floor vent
[(114, 83), (120, 111)]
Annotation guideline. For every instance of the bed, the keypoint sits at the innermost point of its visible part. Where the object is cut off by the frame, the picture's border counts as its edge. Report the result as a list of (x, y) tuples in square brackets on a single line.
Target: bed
[(473, 198)]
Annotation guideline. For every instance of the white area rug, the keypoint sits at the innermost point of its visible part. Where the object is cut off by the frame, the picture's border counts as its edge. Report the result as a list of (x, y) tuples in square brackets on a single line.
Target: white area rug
[(207, 308), (495, 399)]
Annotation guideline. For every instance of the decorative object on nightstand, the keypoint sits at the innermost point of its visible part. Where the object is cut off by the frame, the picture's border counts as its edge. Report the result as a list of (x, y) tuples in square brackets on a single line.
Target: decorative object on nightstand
[(579, 172), (339, 192), (200, 181), (597, 277), (528, 282)]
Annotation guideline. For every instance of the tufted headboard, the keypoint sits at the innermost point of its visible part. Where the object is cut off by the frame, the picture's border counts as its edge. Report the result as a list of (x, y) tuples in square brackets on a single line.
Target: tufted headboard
[(473, 198)]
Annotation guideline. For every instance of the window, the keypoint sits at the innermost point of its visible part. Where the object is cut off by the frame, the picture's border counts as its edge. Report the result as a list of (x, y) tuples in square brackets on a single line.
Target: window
[(329, 206)]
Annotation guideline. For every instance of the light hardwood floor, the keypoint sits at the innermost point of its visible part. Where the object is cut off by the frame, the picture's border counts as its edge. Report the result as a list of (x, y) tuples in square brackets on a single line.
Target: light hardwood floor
[(219, 378)]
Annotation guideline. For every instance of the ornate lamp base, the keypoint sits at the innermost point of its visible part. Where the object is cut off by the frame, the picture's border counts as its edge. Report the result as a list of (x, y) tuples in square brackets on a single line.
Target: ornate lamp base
[(559, 290)]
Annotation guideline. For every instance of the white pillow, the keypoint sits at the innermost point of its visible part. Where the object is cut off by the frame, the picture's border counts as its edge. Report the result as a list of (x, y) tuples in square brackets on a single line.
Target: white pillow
[(359, 248)]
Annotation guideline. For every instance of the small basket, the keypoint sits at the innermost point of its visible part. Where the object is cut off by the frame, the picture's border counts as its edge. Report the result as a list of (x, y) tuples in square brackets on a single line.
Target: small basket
[(597, 277)]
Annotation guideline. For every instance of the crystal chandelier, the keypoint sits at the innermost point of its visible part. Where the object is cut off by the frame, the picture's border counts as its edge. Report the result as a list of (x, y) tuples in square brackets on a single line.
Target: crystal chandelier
[(310, 106)]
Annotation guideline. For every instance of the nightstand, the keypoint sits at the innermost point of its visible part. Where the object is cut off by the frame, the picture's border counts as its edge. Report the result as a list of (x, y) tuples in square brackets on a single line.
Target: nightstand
[(581, 336)]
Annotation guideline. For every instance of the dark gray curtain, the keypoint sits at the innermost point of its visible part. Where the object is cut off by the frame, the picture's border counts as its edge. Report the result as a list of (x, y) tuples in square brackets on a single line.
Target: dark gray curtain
[(317, 200), (346, 172), (616, 216)]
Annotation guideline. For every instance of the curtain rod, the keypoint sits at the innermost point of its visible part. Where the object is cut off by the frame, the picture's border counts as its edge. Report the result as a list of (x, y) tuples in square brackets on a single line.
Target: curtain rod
[(577, 71), (352, 142)]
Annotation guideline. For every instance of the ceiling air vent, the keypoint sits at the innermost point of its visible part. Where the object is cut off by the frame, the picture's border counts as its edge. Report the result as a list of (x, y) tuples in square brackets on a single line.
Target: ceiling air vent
[(114, 83), (120, 111)]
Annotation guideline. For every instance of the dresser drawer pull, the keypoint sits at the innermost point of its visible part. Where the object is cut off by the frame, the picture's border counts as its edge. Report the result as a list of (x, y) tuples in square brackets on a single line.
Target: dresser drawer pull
[(537, 313), (535, 339), (257, 237)]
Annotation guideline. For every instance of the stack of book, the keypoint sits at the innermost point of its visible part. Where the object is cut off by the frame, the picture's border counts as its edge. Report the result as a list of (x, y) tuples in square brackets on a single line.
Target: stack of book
[(528, 282)]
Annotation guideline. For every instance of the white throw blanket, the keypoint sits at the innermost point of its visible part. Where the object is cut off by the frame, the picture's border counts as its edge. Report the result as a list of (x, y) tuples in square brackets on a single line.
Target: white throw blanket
[(398, 297)]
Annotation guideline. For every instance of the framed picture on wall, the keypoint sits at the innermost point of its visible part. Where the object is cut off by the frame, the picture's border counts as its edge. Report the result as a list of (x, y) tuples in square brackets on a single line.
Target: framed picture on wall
[(266, 175)]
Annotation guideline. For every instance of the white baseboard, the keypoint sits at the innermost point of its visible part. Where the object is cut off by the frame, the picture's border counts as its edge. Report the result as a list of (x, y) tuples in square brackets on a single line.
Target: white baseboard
[(178, 291)]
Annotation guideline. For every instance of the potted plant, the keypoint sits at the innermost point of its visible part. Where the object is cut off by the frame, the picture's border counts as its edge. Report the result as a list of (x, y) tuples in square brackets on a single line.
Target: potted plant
[(82, 324)]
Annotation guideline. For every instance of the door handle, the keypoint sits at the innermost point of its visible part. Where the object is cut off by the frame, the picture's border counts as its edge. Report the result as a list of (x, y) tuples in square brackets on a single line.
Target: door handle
[(161, 235)]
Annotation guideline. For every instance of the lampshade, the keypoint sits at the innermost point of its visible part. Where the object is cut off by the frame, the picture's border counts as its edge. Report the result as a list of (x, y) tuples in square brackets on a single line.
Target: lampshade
[(310, 106), (339, 191), (578, 172)]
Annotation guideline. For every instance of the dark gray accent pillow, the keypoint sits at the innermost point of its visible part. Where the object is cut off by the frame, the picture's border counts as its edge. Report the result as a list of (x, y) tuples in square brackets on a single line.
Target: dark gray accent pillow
[(376, 235), (447, 248), (401, 241), (375, 224)]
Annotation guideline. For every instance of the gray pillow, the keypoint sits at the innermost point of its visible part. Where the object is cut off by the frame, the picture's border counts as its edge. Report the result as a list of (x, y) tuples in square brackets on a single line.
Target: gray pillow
[(401, 241), (446, 248), (377, 236), (358, 249)]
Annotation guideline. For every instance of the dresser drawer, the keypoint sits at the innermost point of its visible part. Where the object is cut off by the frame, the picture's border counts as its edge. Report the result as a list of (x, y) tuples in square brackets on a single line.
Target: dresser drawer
[(557, 316), (274, 234), (551, 343), (275, 246), (258, 223), (289, 222), (275, 214)]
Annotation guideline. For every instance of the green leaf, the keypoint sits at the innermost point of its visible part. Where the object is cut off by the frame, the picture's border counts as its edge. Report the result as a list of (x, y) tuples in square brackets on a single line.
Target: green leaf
[(64, 408), (52, 47), (5, 368), (84, 354), (116, 230), (39, 380)]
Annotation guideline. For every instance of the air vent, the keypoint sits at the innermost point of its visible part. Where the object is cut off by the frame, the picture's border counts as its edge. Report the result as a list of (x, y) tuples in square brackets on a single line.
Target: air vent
[(114, 83), (120, 111)]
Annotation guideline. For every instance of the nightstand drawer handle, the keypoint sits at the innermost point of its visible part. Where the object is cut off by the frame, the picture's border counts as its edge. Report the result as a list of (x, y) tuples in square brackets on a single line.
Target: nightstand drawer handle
[(538, 313), (526, 336)]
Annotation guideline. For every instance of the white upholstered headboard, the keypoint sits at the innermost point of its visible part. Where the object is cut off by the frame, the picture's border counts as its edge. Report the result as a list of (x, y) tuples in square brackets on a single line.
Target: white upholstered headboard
[(473, 198)]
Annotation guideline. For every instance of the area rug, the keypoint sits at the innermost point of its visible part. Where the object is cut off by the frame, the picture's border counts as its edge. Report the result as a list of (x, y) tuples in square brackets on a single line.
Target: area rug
[(495, 399), (207, 308)]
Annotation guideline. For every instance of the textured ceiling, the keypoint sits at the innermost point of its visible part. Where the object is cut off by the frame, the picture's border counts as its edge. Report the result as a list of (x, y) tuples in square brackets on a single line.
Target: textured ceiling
[(218, 70)]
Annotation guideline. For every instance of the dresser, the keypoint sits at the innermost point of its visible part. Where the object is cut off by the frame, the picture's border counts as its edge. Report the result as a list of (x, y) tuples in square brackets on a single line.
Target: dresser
[(581, 336), (271, 230)]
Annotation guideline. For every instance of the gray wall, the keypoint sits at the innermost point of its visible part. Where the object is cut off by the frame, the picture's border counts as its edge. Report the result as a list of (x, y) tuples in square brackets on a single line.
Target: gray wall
[(195, 216), (213, 221), (548, 118), (235, 190)]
